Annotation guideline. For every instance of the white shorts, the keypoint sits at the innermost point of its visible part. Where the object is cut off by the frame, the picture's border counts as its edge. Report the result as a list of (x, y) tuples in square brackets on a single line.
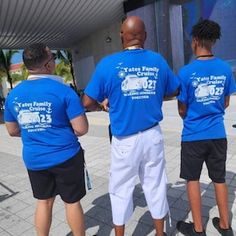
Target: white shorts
[(140, 155)]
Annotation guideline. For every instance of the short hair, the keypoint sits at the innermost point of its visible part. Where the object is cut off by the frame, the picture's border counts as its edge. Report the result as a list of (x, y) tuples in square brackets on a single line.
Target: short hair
[(206, 30), (34, 55)]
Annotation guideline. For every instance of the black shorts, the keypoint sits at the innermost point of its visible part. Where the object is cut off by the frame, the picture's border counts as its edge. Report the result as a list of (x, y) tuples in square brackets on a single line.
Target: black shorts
[(66, 179), (195, 153)]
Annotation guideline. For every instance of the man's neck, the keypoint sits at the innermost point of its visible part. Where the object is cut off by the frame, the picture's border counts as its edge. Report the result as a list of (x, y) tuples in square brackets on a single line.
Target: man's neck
[(133, 47), (34, 76), (203, 54)]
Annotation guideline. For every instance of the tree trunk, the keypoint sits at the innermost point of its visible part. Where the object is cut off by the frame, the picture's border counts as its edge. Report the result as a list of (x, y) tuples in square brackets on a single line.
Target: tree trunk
[(9, 80), (73, 77)]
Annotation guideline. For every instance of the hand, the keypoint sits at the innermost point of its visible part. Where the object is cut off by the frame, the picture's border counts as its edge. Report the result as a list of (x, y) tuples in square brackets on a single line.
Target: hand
[(105, 105)]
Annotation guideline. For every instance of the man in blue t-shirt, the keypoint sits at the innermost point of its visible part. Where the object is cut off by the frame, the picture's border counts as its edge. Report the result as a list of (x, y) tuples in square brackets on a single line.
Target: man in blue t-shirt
[(206, 86), (135, 82), (49, 117)]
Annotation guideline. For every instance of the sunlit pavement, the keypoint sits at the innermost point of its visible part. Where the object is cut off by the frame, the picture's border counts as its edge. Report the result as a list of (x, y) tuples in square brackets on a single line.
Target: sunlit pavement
[(17, 204)]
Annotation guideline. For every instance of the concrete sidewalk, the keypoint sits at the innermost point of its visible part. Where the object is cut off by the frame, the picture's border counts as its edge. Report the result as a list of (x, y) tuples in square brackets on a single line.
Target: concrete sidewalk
[(17, 204)]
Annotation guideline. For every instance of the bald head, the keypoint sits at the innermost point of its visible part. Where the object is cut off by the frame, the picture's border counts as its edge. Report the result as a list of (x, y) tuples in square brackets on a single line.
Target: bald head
[(133, 32)]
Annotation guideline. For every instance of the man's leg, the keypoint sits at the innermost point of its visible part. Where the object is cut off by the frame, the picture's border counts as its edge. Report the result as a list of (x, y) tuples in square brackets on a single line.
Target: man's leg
[(193, 155), (71, 187), (221, 193), (43, 216), (75, 218), (159, 226), (119, 230), (153, 177), (194, 196), (123, 173), (122, 209)]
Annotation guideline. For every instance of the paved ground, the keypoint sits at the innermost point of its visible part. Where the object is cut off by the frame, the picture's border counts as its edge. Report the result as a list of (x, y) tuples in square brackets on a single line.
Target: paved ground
[(17, 204)]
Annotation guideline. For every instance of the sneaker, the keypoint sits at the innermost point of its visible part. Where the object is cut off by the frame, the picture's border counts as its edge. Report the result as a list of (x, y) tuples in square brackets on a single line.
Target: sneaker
[(188, 229), (234, 126), (223, 232)]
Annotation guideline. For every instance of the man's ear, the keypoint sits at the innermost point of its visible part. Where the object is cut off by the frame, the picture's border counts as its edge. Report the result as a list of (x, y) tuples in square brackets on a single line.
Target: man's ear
[(194, 43), (122, 37), (194, 40), (47, 66), (145, 36)]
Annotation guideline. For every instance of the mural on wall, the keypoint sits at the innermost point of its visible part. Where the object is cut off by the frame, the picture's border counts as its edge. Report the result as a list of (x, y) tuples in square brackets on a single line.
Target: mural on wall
[(220, 11)]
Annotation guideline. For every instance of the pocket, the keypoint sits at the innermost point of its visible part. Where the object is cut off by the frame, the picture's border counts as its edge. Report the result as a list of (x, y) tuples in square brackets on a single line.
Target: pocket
[(154, 147), (124, 147), (157, 140)]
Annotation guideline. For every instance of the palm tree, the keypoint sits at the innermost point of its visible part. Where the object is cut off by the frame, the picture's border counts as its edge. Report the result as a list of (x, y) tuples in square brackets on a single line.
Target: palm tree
[(66, 57), (63, 70), (25, 72), (5, 63)]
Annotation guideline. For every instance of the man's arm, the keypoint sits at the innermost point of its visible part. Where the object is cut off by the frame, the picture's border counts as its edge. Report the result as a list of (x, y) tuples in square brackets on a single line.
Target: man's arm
[(227, 98), (13, 129), (80, 125), (90, 104), (174, 94), (182, 108)]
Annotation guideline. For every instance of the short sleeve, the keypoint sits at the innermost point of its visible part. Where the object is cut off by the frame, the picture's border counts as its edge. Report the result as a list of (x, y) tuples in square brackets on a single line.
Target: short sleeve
[(8, 115), (183, 89), (95, 88), (172, 81), (74, 106), (230, 85)]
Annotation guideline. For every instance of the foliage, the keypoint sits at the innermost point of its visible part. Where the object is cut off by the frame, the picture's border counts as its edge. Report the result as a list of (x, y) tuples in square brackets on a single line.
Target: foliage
[(5, 63), (63, 70), (19, 77), (2, 74), (25, 72), (66, 57)]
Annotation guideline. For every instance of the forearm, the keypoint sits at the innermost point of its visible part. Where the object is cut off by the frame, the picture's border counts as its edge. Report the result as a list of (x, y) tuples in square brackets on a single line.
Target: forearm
[(227, 99), (13, 129), (80, 125), (94, 107), (182, 114), (16, 133), (91, 104), (182, 109)]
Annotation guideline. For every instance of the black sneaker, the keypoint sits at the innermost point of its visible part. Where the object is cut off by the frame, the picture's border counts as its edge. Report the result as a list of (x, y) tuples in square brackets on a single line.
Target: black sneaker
[(187, 229), (223, 232), (234, 126)]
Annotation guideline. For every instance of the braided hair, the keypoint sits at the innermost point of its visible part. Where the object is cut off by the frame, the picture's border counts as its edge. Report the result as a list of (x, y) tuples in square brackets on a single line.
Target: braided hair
[(206, 32)]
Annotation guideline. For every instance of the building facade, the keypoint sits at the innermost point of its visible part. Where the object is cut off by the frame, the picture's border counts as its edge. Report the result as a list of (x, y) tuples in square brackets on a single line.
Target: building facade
[(168, 24)]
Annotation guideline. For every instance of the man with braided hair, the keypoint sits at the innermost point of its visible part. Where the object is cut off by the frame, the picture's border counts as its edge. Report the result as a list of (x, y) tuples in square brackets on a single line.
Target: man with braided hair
[(206, 85)]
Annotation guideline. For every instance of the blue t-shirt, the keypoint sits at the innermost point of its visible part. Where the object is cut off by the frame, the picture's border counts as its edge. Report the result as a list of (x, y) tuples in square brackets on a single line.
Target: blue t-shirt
[(43, 109), (204, 86), (135, 82)]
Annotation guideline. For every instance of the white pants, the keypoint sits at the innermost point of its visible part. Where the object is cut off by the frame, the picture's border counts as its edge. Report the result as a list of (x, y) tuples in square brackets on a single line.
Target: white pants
[(140, 155)]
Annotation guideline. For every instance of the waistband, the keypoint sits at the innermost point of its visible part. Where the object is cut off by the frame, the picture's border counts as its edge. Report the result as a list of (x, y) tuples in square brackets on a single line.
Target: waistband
[(152, 126)]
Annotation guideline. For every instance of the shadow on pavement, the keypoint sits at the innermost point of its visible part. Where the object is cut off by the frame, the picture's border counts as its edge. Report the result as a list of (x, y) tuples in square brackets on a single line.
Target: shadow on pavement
[(9, 193), (100, 214), (208, 202)]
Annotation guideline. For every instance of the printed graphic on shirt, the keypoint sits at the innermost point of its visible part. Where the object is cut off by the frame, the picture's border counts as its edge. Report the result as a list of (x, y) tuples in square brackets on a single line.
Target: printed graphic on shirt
[(34, 116), (138, 82), (208, 89)]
